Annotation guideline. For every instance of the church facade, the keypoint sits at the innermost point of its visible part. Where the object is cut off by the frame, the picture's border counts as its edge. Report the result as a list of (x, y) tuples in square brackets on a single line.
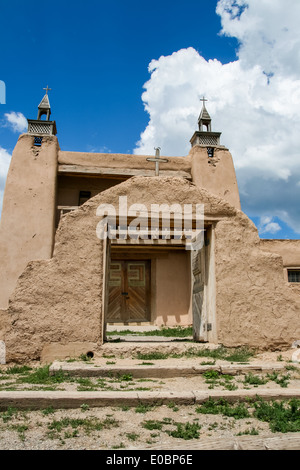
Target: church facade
[(92, 239)]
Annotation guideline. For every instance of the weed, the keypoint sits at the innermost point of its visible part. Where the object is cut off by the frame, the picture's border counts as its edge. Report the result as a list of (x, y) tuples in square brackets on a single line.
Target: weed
[(48, 411), (18, 370), (119, 446), (152, 425), (41, 376), (85, 358), (20, 428), (84, 407), (254, 380), (9, 414), (132, 436), (110, 362), (88, 425), (186, 431), (175, 332), (152, 356), (141, 408), (281, 416), (251, 432), (173, 406), (221, 406)]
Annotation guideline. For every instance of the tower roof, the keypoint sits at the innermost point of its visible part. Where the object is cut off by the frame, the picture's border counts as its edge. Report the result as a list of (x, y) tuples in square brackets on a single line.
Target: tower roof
[(45, 103), (204, 115)]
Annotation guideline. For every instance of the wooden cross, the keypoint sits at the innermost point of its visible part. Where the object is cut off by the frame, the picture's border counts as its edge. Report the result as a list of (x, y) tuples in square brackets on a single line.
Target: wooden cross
[(47, 89), (157, 160)]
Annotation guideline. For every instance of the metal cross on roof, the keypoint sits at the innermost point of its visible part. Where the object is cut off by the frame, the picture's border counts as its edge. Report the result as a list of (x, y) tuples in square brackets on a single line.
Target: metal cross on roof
[(157, 160), (203, 100), (47, 89)]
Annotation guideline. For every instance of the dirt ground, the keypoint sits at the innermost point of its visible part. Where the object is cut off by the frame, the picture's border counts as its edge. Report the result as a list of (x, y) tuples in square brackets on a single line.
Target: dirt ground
[(140, 427)]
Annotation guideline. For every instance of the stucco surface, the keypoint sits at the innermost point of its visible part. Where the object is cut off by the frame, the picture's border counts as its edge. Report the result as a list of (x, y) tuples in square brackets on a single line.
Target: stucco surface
[(59, 300), (27, 219), (288, 249), (255, 306)]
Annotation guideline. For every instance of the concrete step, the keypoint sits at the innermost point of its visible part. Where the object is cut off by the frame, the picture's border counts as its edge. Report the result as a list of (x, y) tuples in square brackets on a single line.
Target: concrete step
[(182, 369), (63, 399)]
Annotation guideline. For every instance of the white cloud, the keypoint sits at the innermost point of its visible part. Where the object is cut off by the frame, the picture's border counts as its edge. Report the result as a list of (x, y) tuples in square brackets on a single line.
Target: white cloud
[(5, 158), (17, 121), (266, 225), (254, 101)]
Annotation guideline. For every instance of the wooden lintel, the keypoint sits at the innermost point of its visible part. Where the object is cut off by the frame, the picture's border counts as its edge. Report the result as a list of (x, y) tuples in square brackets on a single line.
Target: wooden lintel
[(123, 173)]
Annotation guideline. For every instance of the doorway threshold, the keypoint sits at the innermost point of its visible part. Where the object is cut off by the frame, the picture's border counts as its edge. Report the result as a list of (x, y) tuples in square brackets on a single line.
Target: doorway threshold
[(133, 333)]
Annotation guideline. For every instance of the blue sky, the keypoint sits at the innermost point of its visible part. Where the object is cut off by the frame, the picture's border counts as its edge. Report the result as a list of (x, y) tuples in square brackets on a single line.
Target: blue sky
[(95, 55)]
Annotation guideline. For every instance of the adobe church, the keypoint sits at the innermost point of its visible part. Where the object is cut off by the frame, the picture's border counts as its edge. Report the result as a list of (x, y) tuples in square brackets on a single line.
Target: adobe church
[(62, 281)]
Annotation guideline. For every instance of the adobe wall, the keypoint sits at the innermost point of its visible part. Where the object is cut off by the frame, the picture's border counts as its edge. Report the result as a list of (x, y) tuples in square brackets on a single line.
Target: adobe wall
[(27, 219), (216, 174), (59, 301), (288, 249), (255, 306)]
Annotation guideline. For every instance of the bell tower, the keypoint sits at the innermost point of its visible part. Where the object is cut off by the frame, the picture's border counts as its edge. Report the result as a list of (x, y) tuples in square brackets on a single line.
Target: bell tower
[(204, 136), (41, 127)]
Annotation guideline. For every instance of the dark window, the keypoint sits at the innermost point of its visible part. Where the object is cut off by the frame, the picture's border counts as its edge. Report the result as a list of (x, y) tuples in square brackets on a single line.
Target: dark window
[(210, 151), (84, 196), (294, 275), (38, 141)]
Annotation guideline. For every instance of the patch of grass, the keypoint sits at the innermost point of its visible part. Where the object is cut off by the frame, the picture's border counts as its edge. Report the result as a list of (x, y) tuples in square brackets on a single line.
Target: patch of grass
[(152, 356), (9, 414), (119, 446), (281, 416), (48, 411), (141, 408), (85, 358), (186, 431), (171, 332), (41, 376), (251, 432), (20, 428), (18, 370), (255, 380), (84, 407), (132, 436), (87, 424), (237, 411), (283, 380), (152, 425), (173, 406)]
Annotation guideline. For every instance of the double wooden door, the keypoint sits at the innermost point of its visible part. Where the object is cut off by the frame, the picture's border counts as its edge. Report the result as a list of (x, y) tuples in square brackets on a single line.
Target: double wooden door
[(129, 291)]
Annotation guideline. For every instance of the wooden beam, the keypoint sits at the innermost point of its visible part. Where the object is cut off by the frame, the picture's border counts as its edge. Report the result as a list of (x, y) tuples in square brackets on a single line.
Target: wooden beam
[(122, 173)]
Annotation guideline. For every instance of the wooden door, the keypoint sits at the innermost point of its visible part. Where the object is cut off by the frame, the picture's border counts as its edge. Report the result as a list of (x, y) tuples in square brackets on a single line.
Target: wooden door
[(129, 291), (198, 295)]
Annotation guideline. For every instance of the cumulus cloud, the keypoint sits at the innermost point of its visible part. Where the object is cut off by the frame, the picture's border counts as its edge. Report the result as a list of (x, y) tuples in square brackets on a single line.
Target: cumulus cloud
[(254, 101), (267, 225), (5, 158), (17, 121)]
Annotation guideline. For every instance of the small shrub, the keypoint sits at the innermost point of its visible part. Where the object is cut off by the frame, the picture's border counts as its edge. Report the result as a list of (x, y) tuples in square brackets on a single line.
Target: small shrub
[(186, 431)]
